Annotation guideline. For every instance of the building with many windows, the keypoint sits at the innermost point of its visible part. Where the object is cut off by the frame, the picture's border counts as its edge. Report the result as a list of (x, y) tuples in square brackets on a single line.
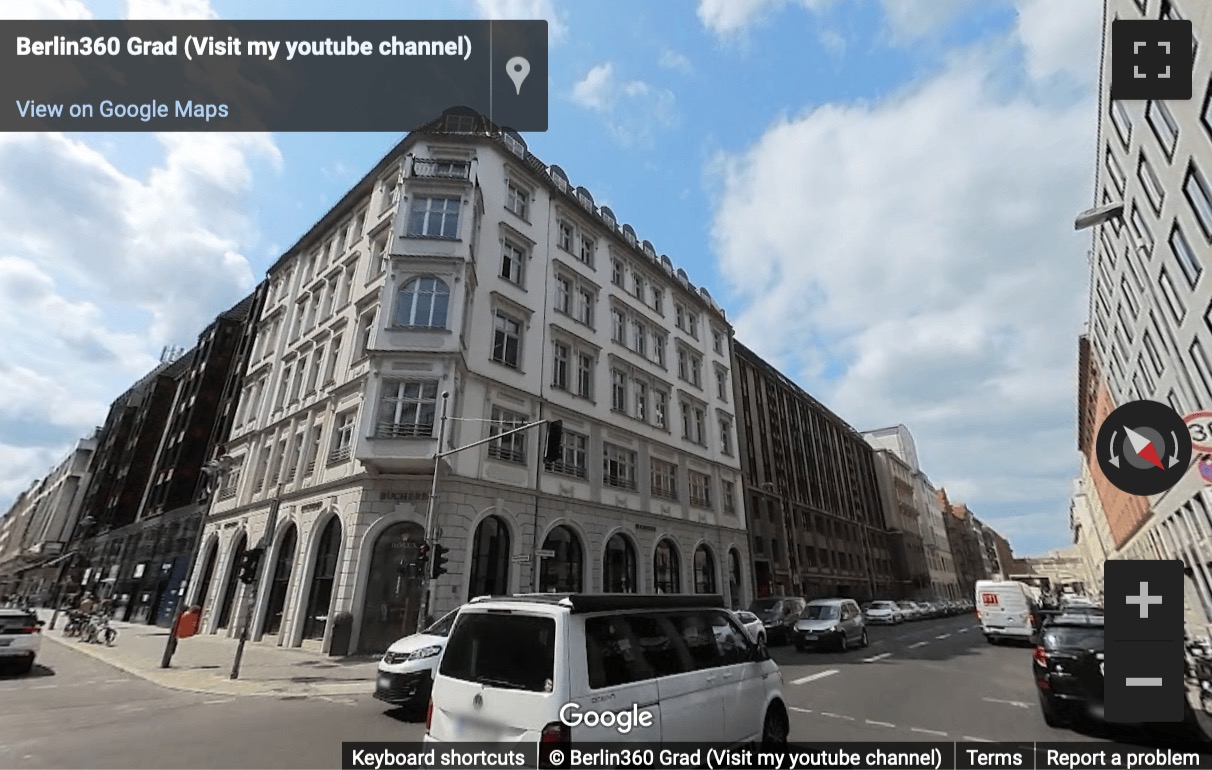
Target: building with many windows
[(1149, 334), (464, 279), (815, 518)]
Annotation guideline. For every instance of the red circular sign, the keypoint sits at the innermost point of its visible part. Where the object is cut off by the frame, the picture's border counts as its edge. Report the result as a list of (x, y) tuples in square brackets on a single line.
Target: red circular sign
[(1200, 425)]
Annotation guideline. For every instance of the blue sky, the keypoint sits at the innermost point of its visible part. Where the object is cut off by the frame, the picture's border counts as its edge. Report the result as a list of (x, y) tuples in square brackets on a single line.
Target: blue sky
[(878, 191)]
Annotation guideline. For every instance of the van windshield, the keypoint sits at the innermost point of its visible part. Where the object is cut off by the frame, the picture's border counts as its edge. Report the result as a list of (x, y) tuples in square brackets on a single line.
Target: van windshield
[(508, 651), (822, 612)]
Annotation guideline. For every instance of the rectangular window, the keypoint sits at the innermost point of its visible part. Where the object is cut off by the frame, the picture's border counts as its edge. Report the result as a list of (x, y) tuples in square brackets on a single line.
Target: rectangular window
[(506, 340), (616, 272), (330, 296), (1199, 195), (313, 373), (584, 375), (1200, 359), (658, 348), (575, 460), (700, 489), (729, 498), (679, 317), (564, 239), (587, 246), (696, 371), (721, 384), (585, 306), (726, 436), (637, 286), (1141, 228), (342, 438), (1124, 323), (378, 257), (334, 359), (297, 387), (1121, 121), (664, 480), (1155, 358), (559, 366), (407, 408), (1146, 384), (683, 364), (366, 330), (618, 326), (511, 262), (1185, 255), (692, 324), (517, 200), (717, 341), (686, 424), (563, 301), (1177, 308), (1130, 298), (618, 467), (511, 448), (1115, 172), (641, 401), (660, 408), (618, 390), (699, 427), (1164, 126), (431, 217), (1148, 180), (391, 192), (639, 338), (658, 300)]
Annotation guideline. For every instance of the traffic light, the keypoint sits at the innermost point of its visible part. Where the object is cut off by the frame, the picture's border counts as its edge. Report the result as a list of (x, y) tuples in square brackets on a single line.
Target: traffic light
[(248, 567), (555, 441), (439, 561)]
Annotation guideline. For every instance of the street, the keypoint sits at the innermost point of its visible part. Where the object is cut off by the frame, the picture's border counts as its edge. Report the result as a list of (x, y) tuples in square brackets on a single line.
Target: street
[(929, 680)]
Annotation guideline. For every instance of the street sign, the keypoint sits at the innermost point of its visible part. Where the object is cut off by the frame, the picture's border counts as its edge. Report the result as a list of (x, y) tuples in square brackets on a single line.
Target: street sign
[(1200, 425), (545, 553), (522, 558)]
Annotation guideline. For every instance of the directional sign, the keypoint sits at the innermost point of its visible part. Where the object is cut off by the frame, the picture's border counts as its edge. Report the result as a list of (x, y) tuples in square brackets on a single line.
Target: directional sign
[(1200, 425), (522, 558), (545, 553)]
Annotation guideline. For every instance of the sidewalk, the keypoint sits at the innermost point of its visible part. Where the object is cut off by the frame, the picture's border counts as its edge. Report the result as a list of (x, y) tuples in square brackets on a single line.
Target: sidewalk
[(203, 663)]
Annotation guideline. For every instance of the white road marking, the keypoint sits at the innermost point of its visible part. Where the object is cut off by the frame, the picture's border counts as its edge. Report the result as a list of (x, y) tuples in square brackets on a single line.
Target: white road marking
[(919, 644), (879, 724), (802, 711), (836, 716), (964, 631), (814, 677), (115, 681), (878, 641), (1015, 703), (874, 658), (217, 700), (45, 687), (942, 636), (977, 740), (928, 732)]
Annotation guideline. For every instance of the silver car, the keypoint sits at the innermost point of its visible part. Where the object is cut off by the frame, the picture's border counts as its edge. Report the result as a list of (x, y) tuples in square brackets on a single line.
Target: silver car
[(753, 625), (884, 612), (831, 622)]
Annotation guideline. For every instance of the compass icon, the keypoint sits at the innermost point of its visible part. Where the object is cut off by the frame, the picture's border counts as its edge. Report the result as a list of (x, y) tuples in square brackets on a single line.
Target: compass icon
[(1144, 447)]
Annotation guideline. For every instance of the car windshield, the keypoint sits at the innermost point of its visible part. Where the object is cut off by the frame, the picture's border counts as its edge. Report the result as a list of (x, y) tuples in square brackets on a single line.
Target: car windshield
[(508, 651), (907, 605), (763, 605), (442, 627), (882, 605), (746, 617), (821, 612), (1073, 637)]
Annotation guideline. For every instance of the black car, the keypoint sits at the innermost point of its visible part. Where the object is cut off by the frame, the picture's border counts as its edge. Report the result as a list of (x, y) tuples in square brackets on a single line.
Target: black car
[(778, 615), (1068, 666)]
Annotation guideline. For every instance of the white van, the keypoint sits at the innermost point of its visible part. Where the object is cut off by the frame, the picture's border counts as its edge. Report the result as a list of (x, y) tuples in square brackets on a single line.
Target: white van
[(604, 668), (1006, 610)]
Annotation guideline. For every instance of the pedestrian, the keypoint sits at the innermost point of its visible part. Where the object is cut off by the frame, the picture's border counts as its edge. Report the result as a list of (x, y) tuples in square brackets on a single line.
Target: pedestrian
[(87, 604), (107, 606)]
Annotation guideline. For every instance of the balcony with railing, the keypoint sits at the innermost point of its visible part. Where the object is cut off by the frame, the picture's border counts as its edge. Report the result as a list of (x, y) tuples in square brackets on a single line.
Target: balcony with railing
[(426, 168), (507, 453), (404, 430), (619, 482), (339, 455), (566, 469)]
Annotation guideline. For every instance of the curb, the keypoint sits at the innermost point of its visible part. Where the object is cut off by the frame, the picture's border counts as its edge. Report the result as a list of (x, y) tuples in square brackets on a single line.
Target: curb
[(344, 688)]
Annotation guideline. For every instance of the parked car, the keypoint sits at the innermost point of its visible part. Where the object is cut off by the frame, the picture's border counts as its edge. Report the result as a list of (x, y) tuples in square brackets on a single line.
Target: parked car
[(1067, 663), (406, 669), (831, 623), (883, 612), (528, 669), (752, 624), (778, 614), (20, 638), (910, 610)]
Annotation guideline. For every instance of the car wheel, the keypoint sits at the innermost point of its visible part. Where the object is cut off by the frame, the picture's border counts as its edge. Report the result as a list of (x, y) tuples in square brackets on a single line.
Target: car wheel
[(775, 728), (1051, 714), (864, 642)]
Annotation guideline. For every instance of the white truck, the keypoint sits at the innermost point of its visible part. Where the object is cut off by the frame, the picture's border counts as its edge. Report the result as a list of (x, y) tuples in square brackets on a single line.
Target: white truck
[(1006, 609)]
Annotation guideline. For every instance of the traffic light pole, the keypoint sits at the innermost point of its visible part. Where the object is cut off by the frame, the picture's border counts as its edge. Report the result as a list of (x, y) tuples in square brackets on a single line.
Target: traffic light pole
[(431, 531), (251, 592)]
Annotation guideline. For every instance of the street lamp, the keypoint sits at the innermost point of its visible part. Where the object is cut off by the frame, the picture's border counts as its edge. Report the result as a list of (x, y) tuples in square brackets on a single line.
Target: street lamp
[(69, 563), (1099, 215)]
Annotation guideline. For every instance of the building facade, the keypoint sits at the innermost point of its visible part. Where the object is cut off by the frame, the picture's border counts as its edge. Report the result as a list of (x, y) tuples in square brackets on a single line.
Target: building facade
[(1149, 335), (463, 278), (932, 528), (967, 545), (811, 491), (902, 518)]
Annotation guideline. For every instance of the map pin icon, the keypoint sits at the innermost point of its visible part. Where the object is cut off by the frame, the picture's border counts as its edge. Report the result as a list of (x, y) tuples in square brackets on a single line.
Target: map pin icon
[(517, 68)]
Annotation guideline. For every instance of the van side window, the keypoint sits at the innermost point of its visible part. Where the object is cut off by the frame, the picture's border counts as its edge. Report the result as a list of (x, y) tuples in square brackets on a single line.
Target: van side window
[(614, 653), (658, 643), (732, 642), (698, 634)]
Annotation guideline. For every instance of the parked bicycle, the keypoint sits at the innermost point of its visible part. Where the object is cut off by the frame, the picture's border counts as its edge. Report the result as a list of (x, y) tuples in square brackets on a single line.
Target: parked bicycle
[(99, 630), (76, 623)]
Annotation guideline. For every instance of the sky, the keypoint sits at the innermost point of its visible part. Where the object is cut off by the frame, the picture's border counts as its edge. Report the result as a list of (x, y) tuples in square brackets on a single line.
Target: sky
[(879, 192)]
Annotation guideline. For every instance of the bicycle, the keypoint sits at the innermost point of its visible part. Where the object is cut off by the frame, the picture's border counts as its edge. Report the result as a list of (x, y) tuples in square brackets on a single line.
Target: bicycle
[(76, 623), (99, 630)]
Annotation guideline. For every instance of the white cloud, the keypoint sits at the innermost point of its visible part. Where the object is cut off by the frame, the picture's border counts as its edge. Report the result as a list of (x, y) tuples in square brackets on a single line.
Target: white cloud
[(23, 464), (1060, 39), (557, 28), (45, 9), (170, 9), (833, 41), (674, 60), (916, 259), (634, 109), (727, 18), (909, 20)]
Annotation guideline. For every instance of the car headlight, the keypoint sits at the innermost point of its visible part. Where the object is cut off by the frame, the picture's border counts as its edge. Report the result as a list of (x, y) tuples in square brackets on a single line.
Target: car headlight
[(425, 652)]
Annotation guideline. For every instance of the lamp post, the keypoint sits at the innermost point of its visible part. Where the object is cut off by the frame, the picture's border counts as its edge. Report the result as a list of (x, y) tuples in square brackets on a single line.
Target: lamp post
[(68, 565), (216, 470), (431, 535)]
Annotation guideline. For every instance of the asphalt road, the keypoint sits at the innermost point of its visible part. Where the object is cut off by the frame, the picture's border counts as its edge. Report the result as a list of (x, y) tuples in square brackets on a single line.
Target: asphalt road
[(936, 680)]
